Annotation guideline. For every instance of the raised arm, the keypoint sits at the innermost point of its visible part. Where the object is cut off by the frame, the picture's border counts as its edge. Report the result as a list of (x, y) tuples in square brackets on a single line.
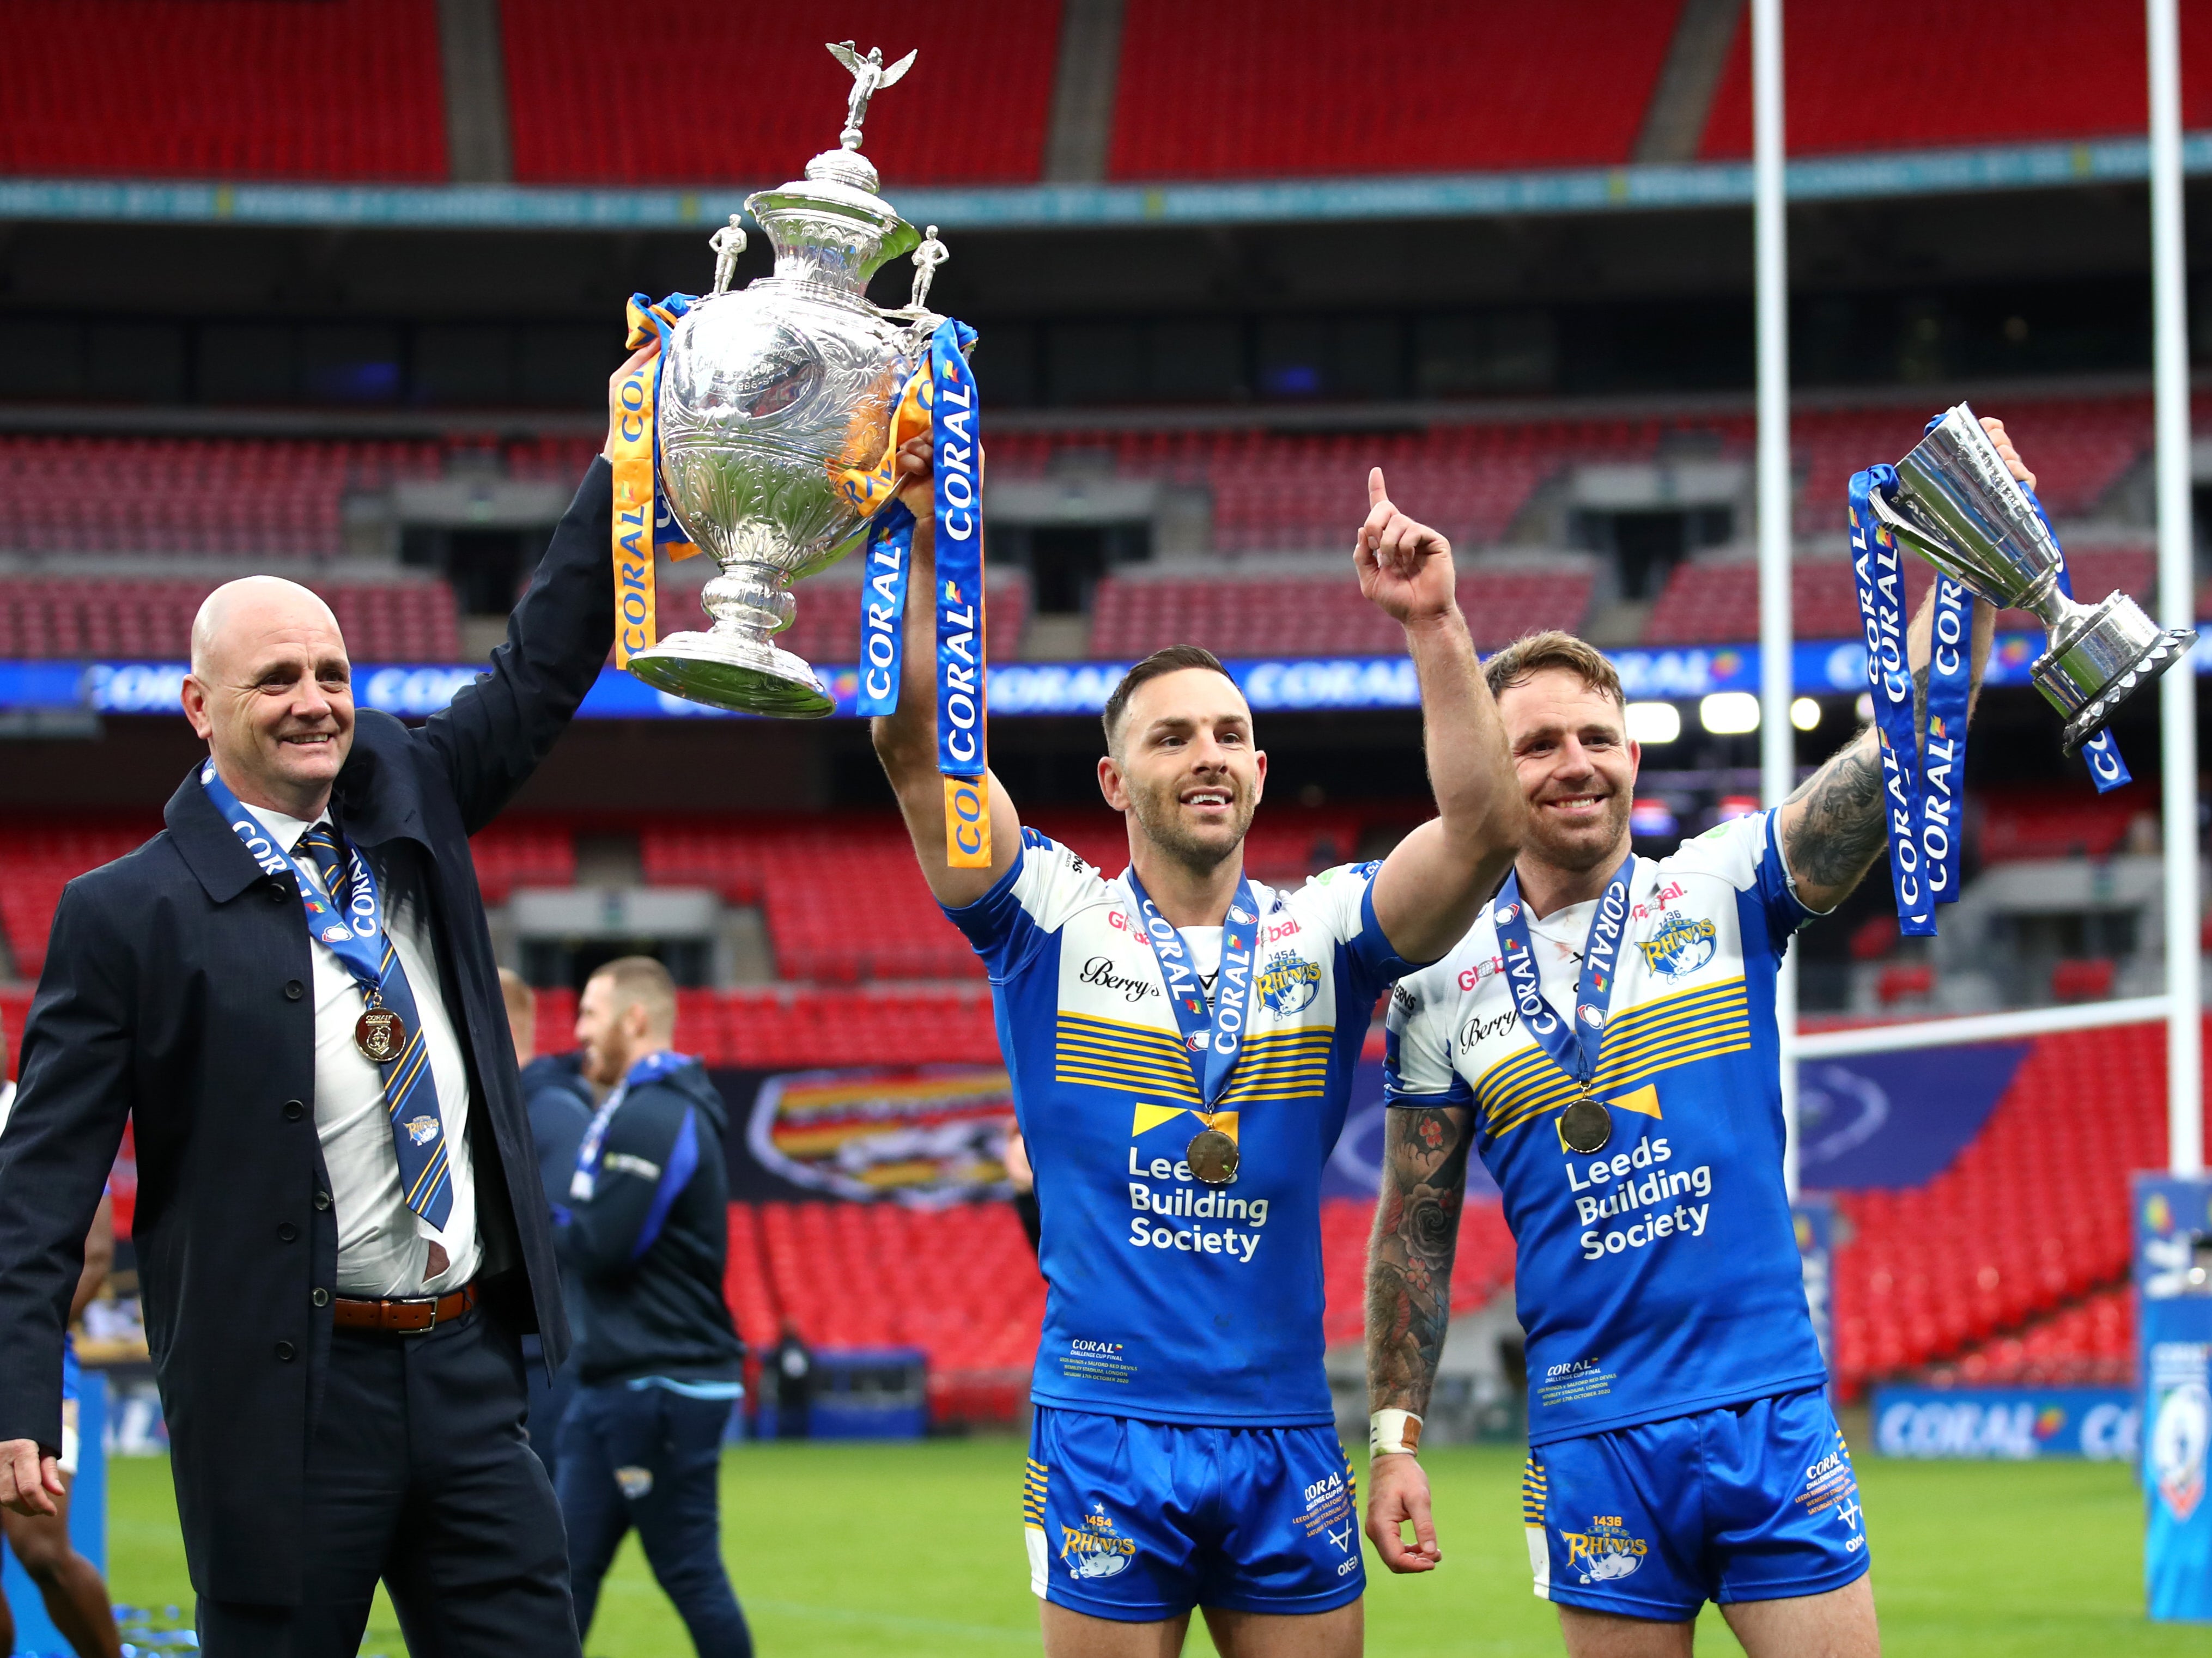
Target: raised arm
[(906, 742), (494, 733), (1834, 828), (1437, 879), (1409, 1268)]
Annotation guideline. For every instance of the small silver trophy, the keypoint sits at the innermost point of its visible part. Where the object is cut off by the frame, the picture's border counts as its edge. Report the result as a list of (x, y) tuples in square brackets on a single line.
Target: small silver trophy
[(765, 392), (1960, 507)]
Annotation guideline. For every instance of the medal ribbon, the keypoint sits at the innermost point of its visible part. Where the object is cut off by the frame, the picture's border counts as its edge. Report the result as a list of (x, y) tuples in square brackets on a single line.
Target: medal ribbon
[(1878, 572), (359, 939), (639, 500), (1212, 1037), (592, 1150), (939, 398), (1574, 1051)]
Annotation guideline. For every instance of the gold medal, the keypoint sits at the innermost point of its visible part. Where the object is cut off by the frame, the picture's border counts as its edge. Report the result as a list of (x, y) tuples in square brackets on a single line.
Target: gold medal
[(380, 1034), (1213, 1156), (1586, 1126)]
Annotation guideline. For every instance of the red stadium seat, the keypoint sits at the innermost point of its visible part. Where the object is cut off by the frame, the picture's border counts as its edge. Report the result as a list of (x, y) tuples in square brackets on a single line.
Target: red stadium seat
[(133, 618), (744, 96), (222, 89), (2032, 1216), (2054, 70), (256, 499), (1238, 89)]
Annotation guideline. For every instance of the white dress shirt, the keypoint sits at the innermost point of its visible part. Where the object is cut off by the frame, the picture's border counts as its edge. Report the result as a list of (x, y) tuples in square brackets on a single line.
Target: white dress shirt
[(383, 1245)]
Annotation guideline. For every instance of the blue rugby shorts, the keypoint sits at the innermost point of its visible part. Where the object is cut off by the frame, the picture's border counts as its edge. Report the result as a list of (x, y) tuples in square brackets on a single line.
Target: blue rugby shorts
[(1753, 1502), (1140, 1522)]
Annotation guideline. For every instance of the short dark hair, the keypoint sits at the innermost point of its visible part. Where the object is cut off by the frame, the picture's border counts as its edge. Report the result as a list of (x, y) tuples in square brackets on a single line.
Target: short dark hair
[(1174, 659), (1532, 654)]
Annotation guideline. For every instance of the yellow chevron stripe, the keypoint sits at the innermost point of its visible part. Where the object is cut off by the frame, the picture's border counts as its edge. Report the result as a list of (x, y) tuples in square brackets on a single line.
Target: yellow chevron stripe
[(1127, 1082), (1674, 1013), (1726, 1038), (1671, 1061), (1083, 1047), (1118, 1027)]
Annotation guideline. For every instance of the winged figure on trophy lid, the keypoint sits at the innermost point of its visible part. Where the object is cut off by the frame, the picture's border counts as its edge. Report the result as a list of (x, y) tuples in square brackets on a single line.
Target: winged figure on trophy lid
[(869, 77)]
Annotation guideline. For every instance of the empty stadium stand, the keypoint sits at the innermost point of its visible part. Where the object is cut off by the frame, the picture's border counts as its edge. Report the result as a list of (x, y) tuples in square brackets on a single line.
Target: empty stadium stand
[(1708, 603), (222, 89), (2078, 448), (383, 622), (40, 856), (744, 96), (1315, 616), (2032, 1216), (2090, 1343), (2056, 69), (262, 498), (2020, 823), (1240, 88)]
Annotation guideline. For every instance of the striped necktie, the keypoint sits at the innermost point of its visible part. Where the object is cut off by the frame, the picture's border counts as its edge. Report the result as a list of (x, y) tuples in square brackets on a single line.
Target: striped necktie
[(410, 1092)]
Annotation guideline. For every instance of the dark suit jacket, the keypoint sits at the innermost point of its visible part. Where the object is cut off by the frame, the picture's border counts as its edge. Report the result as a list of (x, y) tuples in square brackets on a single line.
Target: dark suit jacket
[(176, 991)]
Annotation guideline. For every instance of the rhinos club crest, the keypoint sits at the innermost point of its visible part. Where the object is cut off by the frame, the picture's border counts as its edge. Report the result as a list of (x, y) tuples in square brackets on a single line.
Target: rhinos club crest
[(1681, 945), (1288, 982)]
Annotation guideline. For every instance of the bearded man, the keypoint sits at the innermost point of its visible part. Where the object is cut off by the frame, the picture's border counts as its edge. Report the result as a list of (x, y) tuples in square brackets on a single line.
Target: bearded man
[(1605, 1040)]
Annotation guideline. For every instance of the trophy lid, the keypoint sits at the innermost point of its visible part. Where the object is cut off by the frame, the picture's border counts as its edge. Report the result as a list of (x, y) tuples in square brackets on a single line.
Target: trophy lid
[(830, 229)]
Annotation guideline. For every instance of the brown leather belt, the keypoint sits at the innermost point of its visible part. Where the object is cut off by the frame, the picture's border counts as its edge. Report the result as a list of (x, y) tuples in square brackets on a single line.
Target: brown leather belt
[(405, 1318)]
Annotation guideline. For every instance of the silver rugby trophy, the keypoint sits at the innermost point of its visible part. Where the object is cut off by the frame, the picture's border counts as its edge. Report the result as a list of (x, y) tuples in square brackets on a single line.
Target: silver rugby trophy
[(765, 391), (1960, 507)]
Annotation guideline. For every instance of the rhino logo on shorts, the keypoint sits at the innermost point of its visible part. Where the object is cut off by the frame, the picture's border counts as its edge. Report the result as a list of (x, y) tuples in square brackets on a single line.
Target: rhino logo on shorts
[(1095, 1549), (1606, 1552)]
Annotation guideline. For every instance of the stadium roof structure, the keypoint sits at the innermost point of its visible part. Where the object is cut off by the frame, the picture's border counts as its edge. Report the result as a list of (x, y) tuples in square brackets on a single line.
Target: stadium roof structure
[(1100, 206)]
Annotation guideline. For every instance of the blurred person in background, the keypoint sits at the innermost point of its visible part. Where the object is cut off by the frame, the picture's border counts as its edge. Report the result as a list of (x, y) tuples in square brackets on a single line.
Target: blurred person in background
[(658, 1364), (560, 1105), (76, 1598), (793, 1361)]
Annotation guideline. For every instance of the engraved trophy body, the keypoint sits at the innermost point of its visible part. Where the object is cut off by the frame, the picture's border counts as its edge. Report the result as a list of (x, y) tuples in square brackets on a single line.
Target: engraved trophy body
[(765, 391), (1958, 507)]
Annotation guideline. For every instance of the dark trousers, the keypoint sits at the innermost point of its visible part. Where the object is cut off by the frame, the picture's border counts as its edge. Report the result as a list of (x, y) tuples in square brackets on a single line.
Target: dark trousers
[(548, 1403), (419, 1473), (651, 1458)]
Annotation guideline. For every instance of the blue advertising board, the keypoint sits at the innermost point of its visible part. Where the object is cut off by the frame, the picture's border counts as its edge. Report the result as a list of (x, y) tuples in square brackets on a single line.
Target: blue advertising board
[(2173, 1330), (2015, 1424), (1271, 684)]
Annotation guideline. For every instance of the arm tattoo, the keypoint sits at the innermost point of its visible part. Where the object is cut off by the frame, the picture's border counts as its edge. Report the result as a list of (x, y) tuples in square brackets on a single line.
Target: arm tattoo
[(1410, 1264), (1844, 827)]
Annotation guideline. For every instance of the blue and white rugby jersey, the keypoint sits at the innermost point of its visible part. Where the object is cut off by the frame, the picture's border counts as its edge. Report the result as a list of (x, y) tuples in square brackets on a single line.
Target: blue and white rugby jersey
[(1661, 1276), (1168, 1299)]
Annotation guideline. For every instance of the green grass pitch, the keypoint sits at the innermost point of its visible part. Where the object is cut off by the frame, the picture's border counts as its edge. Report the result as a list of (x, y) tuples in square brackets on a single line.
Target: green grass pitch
[(915, 1549)]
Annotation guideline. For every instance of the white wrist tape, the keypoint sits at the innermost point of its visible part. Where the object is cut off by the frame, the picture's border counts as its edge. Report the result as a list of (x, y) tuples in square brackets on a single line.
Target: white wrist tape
[(1394, 1433)]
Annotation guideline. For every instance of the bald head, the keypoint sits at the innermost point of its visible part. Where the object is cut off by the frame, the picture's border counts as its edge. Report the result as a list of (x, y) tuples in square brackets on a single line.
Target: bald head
[(270, 693), (244, 611)]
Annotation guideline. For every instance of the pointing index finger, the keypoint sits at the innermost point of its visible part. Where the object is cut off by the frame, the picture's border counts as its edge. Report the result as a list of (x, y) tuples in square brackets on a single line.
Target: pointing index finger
[(1378, 491)]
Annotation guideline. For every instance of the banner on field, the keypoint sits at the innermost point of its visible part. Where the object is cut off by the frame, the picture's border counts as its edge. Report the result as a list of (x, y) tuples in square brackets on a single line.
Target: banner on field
[(2011, 1425)]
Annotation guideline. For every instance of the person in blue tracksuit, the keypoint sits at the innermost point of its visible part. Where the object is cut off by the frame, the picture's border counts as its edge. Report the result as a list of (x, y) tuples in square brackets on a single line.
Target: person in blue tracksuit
[(658, 1364), (560, 1105)]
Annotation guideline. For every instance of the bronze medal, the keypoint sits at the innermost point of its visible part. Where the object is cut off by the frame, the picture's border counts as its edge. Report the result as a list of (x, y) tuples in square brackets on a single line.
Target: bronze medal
[(1586, 1126), (1213, 1156), (380, 1034)]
